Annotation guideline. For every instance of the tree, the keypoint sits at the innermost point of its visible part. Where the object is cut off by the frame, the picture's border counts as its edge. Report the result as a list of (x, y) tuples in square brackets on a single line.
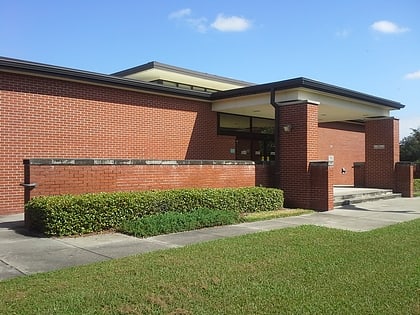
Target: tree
[(410, 147)]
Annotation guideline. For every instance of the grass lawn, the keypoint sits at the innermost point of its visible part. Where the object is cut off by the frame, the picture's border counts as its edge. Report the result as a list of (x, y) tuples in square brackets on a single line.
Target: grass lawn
[(303, 270)]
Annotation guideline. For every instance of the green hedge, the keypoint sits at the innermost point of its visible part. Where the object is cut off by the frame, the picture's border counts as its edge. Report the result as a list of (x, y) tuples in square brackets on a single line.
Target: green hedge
[(78, 214)]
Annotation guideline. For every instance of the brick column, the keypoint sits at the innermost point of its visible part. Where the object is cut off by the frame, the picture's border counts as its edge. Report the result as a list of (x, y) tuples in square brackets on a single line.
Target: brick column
[(322, 191), (382, 151), (404, 179), (359, 174), (297, 145)]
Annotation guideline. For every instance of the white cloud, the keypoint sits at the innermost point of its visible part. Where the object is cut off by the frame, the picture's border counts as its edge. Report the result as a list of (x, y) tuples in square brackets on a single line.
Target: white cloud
[(344, 33), (388, 27), (186, 16), (231, 23), (199, 24), (180, 13), (413, 75)]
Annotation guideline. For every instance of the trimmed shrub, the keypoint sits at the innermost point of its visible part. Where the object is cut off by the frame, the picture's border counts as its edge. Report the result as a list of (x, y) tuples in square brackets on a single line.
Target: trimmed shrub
[(171, 222), (79, 214)]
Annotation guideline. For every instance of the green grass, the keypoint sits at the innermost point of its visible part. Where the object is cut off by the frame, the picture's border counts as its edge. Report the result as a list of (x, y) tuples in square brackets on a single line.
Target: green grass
[(303, 270)]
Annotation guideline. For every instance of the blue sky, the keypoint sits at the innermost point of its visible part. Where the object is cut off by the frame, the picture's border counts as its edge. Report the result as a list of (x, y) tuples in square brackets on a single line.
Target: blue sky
[(366, 45)]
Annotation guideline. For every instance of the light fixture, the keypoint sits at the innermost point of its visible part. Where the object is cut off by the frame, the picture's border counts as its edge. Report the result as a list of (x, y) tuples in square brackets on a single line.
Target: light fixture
[(287, 128)]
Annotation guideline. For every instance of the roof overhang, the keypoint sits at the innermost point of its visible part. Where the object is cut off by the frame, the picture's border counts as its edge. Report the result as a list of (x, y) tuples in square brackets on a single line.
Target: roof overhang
[(335, 103), (61, 73), (154, 71)]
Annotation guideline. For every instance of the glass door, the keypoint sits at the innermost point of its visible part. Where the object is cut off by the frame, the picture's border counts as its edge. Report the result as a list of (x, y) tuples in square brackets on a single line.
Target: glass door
[(255, 150), (243, 149)]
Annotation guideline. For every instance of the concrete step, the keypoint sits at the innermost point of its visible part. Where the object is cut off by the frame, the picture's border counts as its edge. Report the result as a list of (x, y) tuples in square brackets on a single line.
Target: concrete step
[(351, 196)]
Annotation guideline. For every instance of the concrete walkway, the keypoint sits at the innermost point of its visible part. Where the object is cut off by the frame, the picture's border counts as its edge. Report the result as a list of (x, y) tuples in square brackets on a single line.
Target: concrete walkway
[(23, 254)]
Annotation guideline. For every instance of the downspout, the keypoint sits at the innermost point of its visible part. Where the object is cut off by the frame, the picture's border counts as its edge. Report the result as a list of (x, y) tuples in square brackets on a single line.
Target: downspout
[(276, 136)]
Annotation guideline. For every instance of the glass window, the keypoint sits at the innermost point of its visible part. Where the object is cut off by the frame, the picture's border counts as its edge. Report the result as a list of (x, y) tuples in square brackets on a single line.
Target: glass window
[(169, 83), (234, 123), (184, 86), (264, 126)]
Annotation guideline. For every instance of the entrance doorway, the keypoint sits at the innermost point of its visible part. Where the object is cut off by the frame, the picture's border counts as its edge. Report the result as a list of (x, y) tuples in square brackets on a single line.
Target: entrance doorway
[(261, 150)]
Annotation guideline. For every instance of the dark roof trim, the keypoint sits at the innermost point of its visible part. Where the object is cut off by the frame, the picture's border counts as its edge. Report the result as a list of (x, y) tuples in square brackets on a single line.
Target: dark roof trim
[(21, 66), (309, 84), (26, 67), (162, 66)]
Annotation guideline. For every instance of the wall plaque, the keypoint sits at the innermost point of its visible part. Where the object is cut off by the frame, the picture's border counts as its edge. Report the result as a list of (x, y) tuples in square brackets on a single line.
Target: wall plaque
[(378, 146)]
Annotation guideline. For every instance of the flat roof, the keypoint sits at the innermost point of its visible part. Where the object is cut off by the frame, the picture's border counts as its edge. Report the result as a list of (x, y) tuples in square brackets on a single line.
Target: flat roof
[(68, 74), (115, 80)]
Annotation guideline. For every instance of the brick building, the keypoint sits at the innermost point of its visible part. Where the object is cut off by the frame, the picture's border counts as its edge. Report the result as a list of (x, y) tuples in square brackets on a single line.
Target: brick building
[(157, 126)]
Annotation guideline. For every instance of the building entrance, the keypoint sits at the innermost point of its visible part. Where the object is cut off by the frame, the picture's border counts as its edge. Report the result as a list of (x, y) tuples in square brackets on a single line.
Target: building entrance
[(262, 150)]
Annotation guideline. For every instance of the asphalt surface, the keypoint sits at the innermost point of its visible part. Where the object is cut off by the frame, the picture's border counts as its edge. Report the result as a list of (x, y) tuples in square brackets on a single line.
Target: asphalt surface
[(23, 254)]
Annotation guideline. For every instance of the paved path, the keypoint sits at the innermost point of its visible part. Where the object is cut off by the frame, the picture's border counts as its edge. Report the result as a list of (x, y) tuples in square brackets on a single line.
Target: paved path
[(23, 254)]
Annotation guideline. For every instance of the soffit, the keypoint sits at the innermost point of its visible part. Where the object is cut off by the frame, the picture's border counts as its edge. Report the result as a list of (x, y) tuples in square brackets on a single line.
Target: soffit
[(331, 107), (189, 78)]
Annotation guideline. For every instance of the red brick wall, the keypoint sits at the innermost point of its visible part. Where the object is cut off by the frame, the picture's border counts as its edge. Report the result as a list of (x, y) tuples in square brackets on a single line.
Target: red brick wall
[(62, 177), (264, 175), (346, 142), (297, 148), (46, 118), (382, 152)]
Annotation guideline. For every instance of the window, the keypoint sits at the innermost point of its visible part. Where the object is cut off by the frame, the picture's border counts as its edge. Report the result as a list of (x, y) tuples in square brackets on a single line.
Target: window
[(230, 124), (264, 126), (254, 136), (184, 86)]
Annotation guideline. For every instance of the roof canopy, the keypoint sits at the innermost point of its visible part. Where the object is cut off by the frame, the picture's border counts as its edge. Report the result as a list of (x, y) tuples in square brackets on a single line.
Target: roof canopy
[(335, 103)]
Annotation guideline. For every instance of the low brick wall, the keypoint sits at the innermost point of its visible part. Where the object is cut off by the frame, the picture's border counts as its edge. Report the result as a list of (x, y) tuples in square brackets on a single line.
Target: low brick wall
[(77, 176)]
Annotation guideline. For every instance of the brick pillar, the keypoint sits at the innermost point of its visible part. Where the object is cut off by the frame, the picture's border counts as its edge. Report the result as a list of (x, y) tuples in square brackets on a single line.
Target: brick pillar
[(322, 191), (295, 149), (382, 151), (404, 179), (359, 174)]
